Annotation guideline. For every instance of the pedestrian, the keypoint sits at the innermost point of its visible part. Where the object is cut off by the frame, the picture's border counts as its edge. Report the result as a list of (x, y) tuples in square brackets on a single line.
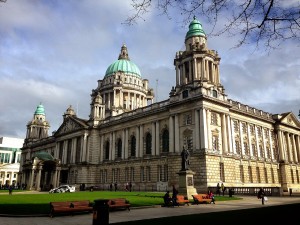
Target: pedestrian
[(211, 196), (261, 195), (130, 186), (110, 186), (10, 189), (167, 199), (291, 191), (174, 195), (116, 186), (218, 189), (223, 188)]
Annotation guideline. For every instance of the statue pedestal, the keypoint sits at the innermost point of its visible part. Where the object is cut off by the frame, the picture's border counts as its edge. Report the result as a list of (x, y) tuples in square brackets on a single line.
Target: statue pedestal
[(186, 183)]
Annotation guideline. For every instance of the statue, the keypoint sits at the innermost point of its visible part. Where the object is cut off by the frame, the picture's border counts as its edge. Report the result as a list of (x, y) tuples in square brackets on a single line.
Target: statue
[(185, 161)]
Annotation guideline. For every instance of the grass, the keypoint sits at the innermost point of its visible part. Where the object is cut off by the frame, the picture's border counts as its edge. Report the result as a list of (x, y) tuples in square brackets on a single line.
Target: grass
[(28, 204)]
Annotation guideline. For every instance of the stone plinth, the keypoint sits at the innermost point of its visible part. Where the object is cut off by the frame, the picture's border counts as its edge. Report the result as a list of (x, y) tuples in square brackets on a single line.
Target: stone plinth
[(186, 183)]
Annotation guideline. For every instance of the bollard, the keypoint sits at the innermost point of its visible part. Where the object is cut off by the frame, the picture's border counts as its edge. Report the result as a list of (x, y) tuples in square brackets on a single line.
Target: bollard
[(101, 212)]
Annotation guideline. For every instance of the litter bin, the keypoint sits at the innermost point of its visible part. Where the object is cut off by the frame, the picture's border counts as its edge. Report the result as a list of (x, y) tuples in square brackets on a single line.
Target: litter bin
[(101, 212)]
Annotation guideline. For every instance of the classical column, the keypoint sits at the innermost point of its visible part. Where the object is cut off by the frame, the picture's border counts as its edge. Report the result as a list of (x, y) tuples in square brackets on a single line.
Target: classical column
[(298, 147), (203, 127), (171, 134), (241, 138), (249, 140), (84, 158), (190, 71), (101, 148), (31, 179), (126, 143), (264, 142), (123, 144), (157, 138), (281, 149), (176, 128), (137, 132), (224, 134), (230, 134), (195, 69), (271, 144), (294, 148), (153, 139), (38, 179), (113, 145), (177, 75), (287, 140), (256, 138), (197, 130), (209, 135), (54, 178)]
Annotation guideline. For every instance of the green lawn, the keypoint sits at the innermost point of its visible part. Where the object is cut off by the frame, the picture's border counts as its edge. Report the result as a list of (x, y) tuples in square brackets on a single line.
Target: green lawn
[(24, 204)]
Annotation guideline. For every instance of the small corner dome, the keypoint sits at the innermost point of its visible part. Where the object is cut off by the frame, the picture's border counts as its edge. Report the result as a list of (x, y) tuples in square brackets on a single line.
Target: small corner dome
[(195, 29), (39, 110), (123, 64)]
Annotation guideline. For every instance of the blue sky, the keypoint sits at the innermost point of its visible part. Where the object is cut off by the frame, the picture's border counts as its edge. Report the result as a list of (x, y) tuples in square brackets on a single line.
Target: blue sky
[(54, 52)]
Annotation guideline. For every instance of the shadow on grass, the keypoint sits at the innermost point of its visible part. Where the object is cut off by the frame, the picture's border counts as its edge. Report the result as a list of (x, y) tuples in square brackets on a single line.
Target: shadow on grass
[(25, 209), (274, 214)]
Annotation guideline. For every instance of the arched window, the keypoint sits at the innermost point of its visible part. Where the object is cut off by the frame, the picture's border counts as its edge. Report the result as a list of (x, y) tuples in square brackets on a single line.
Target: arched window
[(133, 146), (215, 93), (165, 141), (148, 143), (106, 155), (119, 147)]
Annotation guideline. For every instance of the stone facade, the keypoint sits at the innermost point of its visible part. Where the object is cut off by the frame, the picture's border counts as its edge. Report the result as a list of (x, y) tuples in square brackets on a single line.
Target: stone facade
[(128, 138)]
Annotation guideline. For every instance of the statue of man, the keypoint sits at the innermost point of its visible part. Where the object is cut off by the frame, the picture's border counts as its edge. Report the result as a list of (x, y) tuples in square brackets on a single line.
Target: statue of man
[(185, 162)]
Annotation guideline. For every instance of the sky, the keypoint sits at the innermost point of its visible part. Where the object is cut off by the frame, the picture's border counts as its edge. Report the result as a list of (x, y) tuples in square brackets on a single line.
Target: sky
[(53, 52)]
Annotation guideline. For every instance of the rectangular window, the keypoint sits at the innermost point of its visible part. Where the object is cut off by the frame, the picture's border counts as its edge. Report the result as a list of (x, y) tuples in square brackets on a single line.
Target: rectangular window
[(258, 175), (222, 172), (148, 172), (15, 175), (250, 174), (101, 176), (292, 176), (242, 177), (105, 176), (113, 176), (266, 175), (297, 176)]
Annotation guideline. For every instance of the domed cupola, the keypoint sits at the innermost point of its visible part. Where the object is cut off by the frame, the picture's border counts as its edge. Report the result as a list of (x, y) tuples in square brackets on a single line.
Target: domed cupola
[(38, 127), (195, 29), (121, 90), (40, 110), (123, 64)]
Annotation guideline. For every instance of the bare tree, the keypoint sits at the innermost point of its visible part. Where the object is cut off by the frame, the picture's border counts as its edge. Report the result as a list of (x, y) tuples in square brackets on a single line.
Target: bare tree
[(267, 22)]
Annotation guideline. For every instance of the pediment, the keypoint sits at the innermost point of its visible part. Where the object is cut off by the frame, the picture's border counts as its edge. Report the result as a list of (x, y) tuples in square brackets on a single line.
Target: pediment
[(290, 119), (68, 126)]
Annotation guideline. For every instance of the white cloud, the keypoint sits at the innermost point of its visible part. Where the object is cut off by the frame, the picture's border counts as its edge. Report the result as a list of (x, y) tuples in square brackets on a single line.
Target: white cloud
[(55, 51)]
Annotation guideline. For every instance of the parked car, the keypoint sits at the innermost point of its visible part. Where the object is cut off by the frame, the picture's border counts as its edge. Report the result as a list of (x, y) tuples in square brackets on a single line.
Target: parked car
[(63, 189)]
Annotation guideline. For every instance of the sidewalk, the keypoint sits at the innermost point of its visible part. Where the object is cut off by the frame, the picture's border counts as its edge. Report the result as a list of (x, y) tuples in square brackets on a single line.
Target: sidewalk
[(153, 212)]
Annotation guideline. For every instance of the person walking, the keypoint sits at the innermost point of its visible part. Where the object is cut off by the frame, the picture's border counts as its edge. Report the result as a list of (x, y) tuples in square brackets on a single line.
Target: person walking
[(261, 195), (211, 196)]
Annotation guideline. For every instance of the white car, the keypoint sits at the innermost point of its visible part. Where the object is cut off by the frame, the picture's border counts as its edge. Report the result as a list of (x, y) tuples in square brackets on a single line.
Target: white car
[(63, 189)]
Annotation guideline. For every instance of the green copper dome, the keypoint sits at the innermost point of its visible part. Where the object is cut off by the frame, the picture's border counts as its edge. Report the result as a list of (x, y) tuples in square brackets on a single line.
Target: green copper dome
[(39, 110), (195, 29), (123, 64)]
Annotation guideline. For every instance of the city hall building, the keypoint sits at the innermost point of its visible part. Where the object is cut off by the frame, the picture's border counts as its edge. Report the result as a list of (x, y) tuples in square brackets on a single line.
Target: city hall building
[(128, 138)]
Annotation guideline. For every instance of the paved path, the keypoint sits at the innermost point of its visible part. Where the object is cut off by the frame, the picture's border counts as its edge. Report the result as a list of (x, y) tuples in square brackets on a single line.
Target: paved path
[(148, 213)]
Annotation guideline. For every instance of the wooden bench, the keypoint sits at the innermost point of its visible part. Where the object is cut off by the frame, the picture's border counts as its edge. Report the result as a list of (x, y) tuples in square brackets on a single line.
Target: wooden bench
[(70, 207), (118, 203), (201, 198), (182, 200)]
